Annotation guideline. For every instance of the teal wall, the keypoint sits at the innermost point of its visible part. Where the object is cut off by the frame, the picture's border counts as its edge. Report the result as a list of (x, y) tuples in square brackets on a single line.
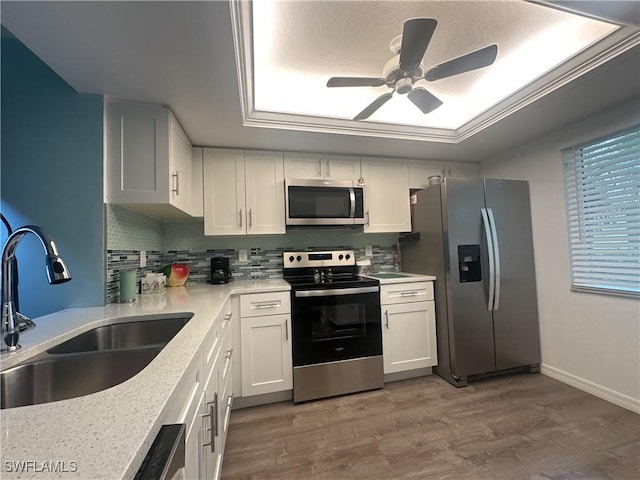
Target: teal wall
[(51, 176)]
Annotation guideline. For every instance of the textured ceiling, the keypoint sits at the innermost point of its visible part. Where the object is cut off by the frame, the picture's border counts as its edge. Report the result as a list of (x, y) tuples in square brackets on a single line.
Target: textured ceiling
[(181, 54)]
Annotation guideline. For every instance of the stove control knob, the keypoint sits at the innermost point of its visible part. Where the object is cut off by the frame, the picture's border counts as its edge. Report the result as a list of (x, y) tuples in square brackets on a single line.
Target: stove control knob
[(298, 258), (347, 256), (291, 258), (340, 257)]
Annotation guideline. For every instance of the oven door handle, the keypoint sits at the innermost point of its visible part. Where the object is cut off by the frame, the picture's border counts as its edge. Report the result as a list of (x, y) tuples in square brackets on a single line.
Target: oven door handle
[(330, 292)]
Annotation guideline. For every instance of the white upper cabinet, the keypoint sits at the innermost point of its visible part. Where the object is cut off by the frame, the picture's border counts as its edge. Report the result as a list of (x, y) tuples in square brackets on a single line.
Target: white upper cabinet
[(458, 169), (264, 180), (197, 207), (243, 192), (316, 166), (386, 195), (420, 171), (149, 160)]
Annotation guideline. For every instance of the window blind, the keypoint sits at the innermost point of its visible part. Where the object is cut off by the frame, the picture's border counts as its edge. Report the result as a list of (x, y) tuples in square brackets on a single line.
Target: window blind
[(602, 192)]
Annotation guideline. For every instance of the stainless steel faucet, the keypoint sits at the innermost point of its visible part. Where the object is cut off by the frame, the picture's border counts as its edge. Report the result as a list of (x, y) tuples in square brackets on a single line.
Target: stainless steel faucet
[(57, 272)]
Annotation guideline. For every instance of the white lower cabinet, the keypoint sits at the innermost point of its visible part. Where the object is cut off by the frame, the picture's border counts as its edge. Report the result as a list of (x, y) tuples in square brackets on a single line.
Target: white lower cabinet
[(408, 327), (267, 364), (204, 400)]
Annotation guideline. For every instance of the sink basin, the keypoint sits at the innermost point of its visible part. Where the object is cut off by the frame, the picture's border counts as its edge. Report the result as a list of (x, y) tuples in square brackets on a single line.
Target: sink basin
[(139, 333), (64, 377), (90, 362)]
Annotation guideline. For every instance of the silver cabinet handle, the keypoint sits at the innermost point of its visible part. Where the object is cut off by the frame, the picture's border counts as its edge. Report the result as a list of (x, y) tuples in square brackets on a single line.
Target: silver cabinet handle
[(492, 273), (266, 305), (227, 317), (327, 172), (286, 329), (228, 354), (367, 222), (320, 168), (408, 294), (386, 319), (229, 401), (250, 219), (176, 183), (213, 416), (240, 217)]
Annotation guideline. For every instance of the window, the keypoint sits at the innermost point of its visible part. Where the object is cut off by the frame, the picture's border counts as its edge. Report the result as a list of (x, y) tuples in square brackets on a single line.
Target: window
[(602, 191)]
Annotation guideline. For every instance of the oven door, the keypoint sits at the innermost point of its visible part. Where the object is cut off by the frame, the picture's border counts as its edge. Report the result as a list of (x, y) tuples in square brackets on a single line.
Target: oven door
[(335, 324)]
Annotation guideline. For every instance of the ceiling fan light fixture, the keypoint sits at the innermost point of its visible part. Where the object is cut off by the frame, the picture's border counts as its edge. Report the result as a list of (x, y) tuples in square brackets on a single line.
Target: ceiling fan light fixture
[(404, 85)]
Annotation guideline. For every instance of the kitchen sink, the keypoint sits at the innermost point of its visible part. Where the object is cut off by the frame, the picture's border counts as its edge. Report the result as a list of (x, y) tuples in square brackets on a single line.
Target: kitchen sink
[(63, 377), (89, 362), (139, 333)]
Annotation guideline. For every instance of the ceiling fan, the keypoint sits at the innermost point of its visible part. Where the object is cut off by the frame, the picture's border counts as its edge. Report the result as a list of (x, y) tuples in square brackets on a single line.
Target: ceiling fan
[(402, 74)]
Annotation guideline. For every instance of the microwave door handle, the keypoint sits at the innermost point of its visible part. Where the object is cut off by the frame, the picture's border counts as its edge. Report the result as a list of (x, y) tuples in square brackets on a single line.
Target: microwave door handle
[(352, 197)]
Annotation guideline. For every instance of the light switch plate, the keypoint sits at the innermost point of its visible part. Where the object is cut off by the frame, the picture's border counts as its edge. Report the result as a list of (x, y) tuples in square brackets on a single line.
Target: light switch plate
[(368, 251), (242, 256), (143, 258)]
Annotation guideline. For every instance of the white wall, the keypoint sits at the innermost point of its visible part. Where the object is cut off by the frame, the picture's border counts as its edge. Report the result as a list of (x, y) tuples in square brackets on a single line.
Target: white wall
[(590, 341)]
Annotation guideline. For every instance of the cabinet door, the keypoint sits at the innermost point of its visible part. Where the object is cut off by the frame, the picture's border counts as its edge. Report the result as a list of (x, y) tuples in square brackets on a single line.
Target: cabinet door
[(211, 445), (264, 180), (419, 173), (266, 354), (457, 169), (302, 165), (386, 196), (179, 166), (408, 336), (340, 167), (137, 153), (196, 203), (224, 207)]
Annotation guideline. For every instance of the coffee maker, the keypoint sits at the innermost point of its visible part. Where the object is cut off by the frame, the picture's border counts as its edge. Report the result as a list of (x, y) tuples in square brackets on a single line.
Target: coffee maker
[(220, 272)]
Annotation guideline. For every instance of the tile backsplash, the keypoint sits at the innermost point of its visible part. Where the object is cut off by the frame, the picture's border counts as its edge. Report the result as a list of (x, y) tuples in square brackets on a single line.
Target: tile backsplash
[(128, 233)]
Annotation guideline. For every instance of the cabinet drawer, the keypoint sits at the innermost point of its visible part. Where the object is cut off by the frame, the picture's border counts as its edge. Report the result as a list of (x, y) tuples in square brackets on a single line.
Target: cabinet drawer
[(225, 319), (406, 292), (226, 357), (260, 304)]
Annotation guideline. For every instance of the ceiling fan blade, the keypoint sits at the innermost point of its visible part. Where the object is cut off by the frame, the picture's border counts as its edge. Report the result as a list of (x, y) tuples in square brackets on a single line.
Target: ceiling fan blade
[(416, 35), (471, 61), (424, 100), (373, 106), (356, 82)]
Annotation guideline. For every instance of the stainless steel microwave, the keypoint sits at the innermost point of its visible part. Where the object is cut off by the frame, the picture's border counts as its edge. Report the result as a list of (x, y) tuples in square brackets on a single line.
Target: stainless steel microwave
[(324, 202)]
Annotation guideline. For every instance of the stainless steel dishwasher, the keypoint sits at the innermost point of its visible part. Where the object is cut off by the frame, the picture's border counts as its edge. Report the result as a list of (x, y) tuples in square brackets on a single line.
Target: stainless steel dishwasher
[(165, 460)]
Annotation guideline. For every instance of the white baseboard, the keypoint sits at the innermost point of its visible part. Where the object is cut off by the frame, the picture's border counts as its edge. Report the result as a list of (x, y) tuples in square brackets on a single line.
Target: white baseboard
[(620, 399)]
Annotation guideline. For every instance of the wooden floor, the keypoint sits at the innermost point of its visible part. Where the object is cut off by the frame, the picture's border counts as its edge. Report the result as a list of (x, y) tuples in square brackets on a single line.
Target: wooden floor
[(522, 426)]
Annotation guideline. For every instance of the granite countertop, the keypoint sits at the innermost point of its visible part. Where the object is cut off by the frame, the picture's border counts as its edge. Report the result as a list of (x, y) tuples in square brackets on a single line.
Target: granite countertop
[(400, 277), (107, 434)]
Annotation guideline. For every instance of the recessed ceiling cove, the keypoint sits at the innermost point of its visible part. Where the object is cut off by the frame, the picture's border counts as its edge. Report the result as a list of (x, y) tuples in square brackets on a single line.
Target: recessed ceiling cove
[(428, 70)]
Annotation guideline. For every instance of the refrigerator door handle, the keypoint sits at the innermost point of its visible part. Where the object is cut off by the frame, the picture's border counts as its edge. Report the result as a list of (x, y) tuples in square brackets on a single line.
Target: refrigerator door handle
[(489, 238), (494, 234)]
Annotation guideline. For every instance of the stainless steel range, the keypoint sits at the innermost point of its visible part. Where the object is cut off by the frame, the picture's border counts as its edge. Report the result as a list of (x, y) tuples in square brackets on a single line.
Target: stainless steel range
[(336, 324)]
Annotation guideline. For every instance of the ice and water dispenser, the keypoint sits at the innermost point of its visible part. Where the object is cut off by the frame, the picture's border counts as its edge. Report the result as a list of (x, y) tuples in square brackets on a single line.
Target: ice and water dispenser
[(469, 263)]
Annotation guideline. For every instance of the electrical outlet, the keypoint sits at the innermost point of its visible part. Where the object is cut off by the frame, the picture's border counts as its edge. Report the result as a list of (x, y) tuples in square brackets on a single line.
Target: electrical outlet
[(368, 251), (143, 258), (242, 256)]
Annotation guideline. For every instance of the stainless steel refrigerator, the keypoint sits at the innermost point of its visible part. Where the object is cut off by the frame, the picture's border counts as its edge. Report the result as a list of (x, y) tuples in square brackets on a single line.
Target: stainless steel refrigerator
[(475, 236)]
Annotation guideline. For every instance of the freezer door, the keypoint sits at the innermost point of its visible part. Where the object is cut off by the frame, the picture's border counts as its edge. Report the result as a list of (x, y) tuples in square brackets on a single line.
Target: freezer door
[(470, 322), (515, 321)]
